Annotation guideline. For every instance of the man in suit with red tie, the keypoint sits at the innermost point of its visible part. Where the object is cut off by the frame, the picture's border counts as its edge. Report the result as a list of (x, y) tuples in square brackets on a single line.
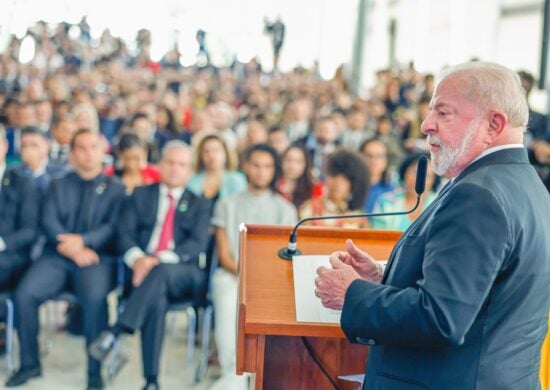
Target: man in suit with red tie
[(163, 229)]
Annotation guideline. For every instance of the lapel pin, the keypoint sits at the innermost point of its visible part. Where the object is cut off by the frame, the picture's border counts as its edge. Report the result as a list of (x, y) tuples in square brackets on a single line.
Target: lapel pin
[(182, 208), (101, 188), (6, 182)]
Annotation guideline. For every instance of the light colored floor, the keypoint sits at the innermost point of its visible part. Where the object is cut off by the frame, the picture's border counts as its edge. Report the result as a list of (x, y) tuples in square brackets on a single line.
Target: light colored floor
[(64, 365)]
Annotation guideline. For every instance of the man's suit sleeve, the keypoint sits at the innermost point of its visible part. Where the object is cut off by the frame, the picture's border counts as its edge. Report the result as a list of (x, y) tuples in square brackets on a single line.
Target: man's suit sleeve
[(466, 244), (27, 216)]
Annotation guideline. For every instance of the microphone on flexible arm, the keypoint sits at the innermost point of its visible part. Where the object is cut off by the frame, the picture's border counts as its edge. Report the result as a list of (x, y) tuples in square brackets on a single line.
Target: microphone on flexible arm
[(419, 187)]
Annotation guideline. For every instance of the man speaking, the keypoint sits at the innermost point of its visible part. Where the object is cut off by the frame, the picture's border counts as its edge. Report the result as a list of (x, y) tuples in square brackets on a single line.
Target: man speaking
[(463, 302)]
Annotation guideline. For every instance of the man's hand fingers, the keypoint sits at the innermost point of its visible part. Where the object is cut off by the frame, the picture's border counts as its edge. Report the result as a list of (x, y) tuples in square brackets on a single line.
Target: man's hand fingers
[(337, 263)]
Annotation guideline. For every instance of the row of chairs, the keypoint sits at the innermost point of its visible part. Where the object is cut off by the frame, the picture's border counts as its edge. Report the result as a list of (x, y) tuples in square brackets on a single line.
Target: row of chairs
[(204, 313)]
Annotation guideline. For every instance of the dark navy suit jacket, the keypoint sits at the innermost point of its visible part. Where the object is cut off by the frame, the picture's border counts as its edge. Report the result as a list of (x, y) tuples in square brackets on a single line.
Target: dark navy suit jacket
[(464, 300), (61, 207), (18, 212), (139, 216)]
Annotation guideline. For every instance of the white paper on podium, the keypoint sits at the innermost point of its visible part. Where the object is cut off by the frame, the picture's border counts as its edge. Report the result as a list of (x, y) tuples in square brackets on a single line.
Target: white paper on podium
[(308, 307)]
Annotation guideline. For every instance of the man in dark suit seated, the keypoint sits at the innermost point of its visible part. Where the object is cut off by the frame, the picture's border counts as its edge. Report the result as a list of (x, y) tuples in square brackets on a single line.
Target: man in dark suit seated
[(78, 219), (463, 302), (18, 220), (35, 161), (163, 228)]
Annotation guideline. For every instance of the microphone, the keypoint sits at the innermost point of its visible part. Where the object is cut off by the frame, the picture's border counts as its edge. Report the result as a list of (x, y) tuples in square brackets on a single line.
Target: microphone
[(419, 187)]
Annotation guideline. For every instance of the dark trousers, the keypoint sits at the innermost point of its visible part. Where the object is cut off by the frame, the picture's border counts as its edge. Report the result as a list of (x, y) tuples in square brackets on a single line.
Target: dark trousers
[(12, 266), (51, 275), (146, 306)]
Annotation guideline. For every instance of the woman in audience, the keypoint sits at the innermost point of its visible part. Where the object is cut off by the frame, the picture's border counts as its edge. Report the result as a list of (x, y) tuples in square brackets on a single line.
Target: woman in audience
[(215, 176), (404, 197), (346, 186), (131, 165), (376, 157), (296, 183), (167, 127)]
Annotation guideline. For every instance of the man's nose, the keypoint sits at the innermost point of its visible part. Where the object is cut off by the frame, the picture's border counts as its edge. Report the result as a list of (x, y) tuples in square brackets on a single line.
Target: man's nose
[(428, 125)]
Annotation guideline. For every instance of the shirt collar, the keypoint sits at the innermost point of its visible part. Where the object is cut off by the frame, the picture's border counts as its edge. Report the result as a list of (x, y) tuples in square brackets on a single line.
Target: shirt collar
[(489, 151), (175, 192), (42, 170), (2, 170)]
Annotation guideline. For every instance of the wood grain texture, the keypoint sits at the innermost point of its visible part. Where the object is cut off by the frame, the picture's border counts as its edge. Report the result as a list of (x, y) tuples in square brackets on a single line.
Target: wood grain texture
[(268, 336)]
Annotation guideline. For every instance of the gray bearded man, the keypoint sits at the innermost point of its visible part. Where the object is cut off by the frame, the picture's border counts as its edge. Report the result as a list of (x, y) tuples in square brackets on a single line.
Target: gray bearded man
[(463, 302)]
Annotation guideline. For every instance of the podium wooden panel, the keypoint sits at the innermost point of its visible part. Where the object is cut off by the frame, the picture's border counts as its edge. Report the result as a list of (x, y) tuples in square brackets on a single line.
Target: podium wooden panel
[(269, 337)]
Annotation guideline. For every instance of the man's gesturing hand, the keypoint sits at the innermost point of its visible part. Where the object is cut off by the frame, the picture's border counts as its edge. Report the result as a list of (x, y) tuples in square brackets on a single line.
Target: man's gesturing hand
[(368, 268), (331, 284)]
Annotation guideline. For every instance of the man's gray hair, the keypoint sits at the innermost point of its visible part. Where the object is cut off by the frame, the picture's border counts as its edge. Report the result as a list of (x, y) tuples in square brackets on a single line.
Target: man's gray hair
[(492, 87), (176, 144), (2, 133)]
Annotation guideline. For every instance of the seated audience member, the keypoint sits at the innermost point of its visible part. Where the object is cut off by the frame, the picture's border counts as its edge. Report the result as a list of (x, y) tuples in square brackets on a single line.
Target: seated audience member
[(320, 144), (215, 175), (278, 139), (24, 116), (296, 183), (167, 127), (163, 228), (404, 198), (385, 132), (79, 214), (141, 125), (18, 220), (131, 163), (258, 204), (255, 133), (346, 186), (35, 161), (376, 157), (356, 133), (62, 133)]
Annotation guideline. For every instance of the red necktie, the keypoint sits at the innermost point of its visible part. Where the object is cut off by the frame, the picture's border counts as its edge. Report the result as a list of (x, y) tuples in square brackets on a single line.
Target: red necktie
[(167, 232)]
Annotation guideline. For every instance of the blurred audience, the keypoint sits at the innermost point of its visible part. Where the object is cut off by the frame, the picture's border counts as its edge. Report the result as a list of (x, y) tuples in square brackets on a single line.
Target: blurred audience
[(347, 183), (131, 163), (404, 197)]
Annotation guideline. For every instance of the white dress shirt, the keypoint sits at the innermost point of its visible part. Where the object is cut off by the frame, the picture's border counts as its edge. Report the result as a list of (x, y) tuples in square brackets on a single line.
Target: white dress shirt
[(165, 256)]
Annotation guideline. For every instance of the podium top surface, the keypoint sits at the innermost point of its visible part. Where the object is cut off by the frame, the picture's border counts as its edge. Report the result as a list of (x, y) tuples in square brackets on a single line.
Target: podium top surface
[(266, 292)]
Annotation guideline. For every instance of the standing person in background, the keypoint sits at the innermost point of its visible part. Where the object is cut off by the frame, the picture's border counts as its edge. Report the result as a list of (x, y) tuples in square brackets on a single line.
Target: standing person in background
[(404, 197), (347, 183), (258, 204), (131, 163), (375, 153)]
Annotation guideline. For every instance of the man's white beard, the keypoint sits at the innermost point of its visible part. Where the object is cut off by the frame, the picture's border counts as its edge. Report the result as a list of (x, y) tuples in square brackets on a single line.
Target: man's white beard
[(447, 156)]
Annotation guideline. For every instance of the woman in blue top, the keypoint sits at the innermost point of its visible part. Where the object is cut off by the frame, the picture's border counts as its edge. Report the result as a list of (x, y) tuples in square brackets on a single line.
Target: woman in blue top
[(215, 176), (404, 198)]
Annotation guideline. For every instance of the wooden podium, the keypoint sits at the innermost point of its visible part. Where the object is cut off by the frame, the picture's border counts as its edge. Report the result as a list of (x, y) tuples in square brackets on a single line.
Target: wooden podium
[(269, 341)]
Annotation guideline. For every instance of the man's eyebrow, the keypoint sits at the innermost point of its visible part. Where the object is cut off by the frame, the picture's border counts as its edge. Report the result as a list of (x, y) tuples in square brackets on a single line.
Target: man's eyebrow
[(438, 105)]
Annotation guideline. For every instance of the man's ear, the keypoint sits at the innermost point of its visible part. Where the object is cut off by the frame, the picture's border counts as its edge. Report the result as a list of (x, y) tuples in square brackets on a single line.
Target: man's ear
[(497, 123)]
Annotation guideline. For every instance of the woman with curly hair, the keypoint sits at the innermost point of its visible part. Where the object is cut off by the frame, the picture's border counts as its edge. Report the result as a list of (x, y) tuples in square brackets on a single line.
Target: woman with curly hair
[(346, 186)]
